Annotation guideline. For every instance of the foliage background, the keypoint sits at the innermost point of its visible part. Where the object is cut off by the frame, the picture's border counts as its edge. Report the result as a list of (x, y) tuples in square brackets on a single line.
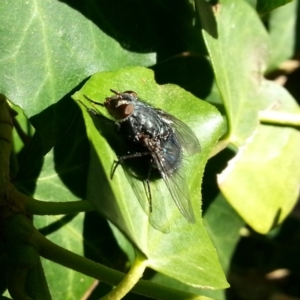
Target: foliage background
[(49, 48)]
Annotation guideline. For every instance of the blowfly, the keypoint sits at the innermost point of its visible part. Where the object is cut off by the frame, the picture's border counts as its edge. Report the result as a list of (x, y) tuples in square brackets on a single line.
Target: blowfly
[(161, 138)]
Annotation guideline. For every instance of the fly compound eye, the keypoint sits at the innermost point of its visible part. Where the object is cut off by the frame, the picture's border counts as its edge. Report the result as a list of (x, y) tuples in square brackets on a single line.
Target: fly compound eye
[(125, 110), (120, 109)]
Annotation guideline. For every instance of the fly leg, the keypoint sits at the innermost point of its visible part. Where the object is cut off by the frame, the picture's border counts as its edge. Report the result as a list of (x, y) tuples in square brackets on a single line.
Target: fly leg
[(95, 111), (124, 157), (147, 182), (92, 101)]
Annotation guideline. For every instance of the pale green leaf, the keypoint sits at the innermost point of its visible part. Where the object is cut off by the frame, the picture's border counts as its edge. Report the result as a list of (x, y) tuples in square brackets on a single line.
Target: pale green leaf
[(262, 181), (266, 6), (238, 48), (282, 25)]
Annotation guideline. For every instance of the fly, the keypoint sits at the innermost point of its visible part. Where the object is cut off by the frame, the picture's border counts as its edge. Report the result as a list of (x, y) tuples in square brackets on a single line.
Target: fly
[(161, 137)]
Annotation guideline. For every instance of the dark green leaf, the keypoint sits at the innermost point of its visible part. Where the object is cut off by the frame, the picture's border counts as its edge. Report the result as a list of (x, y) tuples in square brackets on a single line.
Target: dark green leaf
[(66, 231), (48, 48), (265, 6)]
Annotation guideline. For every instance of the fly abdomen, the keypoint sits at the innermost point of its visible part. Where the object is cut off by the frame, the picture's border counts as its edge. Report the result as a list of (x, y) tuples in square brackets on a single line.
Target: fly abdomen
[(171, 154)]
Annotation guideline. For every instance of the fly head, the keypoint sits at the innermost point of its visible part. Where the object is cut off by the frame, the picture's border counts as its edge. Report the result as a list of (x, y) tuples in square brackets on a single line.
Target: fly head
[(121, 105)]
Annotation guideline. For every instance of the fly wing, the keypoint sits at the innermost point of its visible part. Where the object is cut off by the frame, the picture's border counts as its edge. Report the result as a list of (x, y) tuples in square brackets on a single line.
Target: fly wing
[(157, 216), (175, 180), (184, 133)]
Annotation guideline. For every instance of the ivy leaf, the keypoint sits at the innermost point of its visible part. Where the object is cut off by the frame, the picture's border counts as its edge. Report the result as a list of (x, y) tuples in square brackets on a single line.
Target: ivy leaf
[(48, 48), (261, 182), (266, 6), (225, 236), (187, 245), (282, 27), (238, 70), (252, 182)]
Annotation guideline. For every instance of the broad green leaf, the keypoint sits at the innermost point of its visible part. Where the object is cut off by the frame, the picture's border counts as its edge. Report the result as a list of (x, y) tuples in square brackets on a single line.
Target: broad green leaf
[(282, 25), (238, 52), (65, 231), (262, 181), (224, 235), (60, 177), (71, 284), (266, 6), (238, 47), (47, 48), (185, 253)]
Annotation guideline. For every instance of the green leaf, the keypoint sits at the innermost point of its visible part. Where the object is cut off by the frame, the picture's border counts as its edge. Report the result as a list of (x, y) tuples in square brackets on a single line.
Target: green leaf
[(239, 75), (224, 236), (261, 181), (71, 284), (24, 126), (48, 48), (60, 176), (185, 253), (238, 48), (65, 231), (282, 25), (265, 6)]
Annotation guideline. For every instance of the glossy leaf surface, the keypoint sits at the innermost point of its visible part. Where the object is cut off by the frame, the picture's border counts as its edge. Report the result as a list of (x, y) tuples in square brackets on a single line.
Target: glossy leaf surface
[(261, 199), (186, 246)]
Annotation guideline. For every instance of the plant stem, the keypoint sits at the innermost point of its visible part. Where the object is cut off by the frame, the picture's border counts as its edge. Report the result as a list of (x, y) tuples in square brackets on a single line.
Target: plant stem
[(281, 118), (38, 207), (129, 281), (64, 257)]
